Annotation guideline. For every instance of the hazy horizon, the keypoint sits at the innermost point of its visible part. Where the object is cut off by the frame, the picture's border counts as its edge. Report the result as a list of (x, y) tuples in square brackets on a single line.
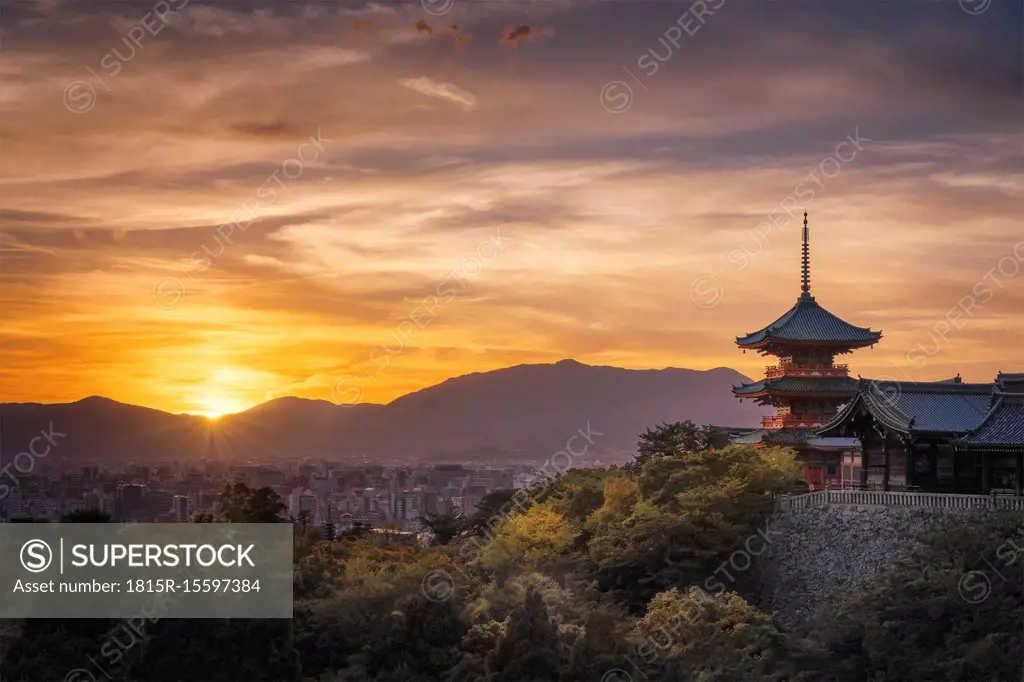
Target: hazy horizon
[(382, 404)]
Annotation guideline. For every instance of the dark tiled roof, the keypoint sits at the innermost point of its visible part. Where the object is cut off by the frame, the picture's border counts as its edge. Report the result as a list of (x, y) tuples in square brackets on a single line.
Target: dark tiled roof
[(1010, 383), (834, 443), (787, 436), (809, 322), (775, 437), (1003, 427), (795, 385), (941, 407), (748, 438)]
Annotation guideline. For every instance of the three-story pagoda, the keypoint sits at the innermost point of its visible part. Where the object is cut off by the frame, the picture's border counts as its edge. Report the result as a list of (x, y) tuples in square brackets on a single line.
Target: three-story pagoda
[(806, 386)]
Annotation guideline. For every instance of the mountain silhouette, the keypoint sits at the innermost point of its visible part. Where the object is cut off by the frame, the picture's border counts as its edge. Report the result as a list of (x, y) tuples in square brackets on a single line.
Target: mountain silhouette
[(521, 412)]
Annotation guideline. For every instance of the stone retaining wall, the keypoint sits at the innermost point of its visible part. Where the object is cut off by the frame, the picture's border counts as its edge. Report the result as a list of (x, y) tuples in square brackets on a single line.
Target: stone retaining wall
[(818, 550)]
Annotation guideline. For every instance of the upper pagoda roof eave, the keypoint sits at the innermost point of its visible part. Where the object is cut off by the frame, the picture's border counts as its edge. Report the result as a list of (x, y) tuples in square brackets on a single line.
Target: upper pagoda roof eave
[(807, 323), (777, 341)]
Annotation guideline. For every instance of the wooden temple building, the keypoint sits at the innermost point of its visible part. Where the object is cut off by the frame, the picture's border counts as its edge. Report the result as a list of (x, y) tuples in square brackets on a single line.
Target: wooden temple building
[(940, 436), (944, 436)]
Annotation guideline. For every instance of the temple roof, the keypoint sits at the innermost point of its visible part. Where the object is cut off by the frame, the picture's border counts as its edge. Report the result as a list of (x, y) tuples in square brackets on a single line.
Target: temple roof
[(786, 436), (748, 438), (834, 444), (1003, 426), (919, 407), (809, 323), (799, 385), (977, 415)]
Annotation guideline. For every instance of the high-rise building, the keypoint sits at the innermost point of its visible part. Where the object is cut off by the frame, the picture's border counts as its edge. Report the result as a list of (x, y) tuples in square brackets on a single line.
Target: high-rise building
[(180, 508), (130, 502), (159, 503), (445, 475), (15, 503)]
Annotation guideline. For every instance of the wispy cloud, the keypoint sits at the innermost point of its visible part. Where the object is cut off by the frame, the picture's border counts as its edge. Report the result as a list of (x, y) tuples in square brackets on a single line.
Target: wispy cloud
[(515, 34), (444, 91)]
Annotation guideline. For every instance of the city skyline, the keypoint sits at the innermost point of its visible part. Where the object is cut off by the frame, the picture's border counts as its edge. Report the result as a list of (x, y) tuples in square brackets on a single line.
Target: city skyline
[(428, 190)]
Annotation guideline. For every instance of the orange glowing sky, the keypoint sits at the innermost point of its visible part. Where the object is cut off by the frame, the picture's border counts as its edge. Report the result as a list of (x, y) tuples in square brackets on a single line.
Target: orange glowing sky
[(482, 196)]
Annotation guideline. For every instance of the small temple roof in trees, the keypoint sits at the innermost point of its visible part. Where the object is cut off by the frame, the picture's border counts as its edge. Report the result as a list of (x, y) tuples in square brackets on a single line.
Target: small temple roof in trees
[(808, 323), (780, 437), (797, 385), (951, 408)]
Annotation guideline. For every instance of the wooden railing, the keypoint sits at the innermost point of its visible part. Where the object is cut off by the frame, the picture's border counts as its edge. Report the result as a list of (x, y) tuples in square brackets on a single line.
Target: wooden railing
[(798, 502), (880, 498), (806, 421), (784, 369)]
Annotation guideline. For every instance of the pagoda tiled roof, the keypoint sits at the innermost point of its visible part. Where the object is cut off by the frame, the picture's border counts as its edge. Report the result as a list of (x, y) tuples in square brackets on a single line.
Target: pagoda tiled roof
[(808, 322), (951, 408), (800, 384)]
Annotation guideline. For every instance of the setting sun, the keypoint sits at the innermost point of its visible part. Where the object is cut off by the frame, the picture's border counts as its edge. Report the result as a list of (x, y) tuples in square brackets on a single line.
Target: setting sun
[(226, 390), (213, 406)]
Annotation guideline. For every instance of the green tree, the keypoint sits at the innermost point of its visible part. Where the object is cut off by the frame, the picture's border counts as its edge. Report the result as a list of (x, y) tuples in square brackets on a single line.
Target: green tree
[(303, 521), (179, 650), (670, 439), (528, 649), (693, 636), (540, 538), (490, 511), (241, 504), (577, 493), (445, 526), (685, 515), (47, 648), (86, 516)]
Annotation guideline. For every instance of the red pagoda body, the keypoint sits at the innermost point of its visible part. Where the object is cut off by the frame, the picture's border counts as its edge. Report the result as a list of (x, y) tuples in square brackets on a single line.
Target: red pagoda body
[(806, 386)]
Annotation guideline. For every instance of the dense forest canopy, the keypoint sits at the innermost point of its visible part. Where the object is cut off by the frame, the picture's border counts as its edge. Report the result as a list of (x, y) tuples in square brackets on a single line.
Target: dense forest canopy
[(604, 575)]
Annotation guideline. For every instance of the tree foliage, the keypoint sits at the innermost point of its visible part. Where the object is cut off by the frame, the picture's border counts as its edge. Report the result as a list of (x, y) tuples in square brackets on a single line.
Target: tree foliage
[(669, 440), (495, 506), (694, 636), (681, 517), (86, 516), (578, 579), (241, 504), (527, 650), (444, 526)]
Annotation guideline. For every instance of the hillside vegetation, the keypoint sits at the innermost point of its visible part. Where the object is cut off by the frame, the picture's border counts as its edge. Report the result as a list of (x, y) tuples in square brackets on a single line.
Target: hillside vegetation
[(612, 575)]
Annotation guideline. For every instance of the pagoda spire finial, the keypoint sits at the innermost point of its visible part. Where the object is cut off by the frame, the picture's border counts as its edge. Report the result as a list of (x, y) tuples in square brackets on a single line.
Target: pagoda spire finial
[(805, 270)]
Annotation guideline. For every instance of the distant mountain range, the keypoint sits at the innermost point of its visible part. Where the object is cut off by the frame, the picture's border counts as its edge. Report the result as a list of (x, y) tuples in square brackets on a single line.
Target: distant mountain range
[(522, 412)]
